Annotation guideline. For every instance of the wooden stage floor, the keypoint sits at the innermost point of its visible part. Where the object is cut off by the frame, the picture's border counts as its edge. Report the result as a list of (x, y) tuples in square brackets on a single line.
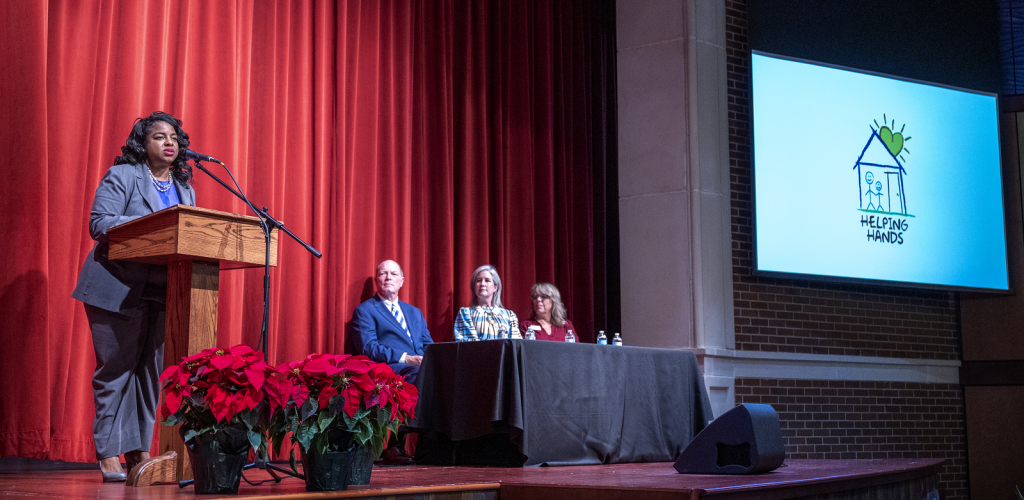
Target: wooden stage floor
[(818, 479)]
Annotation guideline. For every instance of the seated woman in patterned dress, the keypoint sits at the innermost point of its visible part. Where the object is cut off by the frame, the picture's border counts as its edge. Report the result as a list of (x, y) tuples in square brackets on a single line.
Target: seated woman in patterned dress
[(485, 318)]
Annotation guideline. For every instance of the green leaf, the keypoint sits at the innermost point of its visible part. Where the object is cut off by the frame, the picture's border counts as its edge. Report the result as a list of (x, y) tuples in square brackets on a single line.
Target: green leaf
[(172, 420), (308, 408), (363, 432), (322, 442), (291, 461), (305, 434), (249, 418), (255, 440), (361, 413), (337, 404), (277, 439), (190, 434), (324, 420)]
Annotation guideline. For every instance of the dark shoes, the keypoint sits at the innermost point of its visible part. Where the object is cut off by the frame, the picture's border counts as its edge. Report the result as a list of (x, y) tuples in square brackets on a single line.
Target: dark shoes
[(395, 456), (114, 477)]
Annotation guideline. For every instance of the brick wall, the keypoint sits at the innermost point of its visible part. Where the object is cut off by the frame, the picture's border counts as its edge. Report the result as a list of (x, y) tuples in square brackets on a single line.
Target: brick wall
[(839, 419), (860, 420)]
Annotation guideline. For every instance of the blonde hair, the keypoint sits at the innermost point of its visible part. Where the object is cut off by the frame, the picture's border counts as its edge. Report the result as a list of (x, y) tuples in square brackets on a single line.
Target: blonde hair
[(558, 309)]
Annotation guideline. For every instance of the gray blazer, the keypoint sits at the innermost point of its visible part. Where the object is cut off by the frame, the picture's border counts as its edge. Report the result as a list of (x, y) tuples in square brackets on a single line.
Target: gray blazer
[(125, 193)]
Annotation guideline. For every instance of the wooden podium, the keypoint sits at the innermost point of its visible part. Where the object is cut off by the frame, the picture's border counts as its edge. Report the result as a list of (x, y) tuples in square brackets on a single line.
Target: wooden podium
[(195, 244)]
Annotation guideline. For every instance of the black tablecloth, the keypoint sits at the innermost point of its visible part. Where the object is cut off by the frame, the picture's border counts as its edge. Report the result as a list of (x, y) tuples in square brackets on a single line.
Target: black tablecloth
[(528, 402)]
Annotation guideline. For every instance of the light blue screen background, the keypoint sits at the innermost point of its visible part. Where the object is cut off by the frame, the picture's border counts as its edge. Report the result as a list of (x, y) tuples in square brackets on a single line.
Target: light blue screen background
[(811, 124)]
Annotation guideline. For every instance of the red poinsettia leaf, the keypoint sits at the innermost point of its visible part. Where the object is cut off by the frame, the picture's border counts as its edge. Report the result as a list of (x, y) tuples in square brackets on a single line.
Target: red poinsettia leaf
[(352, 398), (359, 364), (233, 376), (317, 366), (238, 403), (220, 403), (182, 378), (363, 382), (241, 350), (409, 405), (172, 402), (253, 398), (221, 361), (284, 391), (278, 392), (202, 355), (172, 372), (300, 394), (215, 393), (325, 396)]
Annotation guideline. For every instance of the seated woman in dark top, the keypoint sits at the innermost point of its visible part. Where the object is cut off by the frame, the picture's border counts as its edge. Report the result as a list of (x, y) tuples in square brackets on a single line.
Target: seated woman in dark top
[(548, 313)]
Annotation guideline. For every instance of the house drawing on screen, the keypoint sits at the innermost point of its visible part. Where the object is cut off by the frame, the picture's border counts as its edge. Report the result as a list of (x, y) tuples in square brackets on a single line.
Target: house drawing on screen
[(880, 173)]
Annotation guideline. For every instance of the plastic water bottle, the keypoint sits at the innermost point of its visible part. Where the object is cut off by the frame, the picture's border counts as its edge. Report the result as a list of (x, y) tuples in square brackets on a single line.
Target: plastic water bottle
[(617, 340), (602, 339), (531, 332), (569, 337)]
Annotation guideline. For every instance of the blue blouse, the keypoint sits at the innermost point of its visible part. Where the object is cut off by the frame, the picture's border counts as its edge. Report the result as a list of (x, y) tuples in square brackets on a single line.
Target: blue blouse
[(484, 323), (170, 197)]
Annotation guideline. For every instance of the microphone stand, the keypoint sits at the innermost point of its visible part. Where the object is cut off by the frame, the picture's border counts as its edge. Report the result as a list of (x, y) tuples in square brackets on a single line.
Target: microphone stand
[(267, 224)]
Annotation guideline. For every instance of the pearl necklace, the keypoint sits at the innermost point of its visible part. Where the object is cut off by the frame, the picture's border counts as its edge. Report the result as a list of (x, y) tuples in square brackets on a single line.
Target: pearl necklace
[(160, 186)]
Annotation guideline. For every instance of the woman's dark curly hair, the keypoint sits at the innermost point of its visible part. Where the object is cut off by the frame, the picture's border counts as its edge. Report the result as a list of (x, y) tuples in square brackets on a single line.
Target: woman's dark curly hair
[(134, 149)]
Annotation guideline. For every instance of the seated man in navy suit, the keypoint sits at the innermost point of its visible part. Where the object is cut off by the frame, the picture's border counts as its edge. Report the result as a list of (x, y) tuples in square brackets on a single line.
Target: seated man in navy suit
[(388, 330)]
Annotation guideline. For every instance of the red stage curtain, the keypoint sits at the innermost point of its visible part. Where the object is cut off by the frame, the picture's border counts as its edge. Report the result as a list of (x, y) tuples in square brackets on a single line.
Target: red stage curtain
[(442, 134)]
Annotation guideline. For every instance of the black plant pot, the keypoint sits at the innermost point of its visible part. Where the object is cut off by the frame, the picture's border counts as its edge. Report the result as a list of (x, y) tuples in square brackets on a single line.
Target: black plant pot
[(332, 469), (217, 459), (362, 465)]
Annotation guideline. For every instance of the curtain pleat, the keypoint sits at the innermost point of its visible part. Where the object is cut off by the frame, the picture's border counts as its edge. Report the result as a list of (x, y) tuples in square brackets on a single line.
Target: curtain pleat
[(441, 134)]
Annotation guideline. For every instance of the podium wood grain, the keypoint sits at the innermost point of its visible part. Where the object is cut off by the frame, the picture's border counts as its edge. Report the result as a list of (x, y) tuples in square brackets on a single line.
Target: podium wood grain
[(195, 244), (183, 232)]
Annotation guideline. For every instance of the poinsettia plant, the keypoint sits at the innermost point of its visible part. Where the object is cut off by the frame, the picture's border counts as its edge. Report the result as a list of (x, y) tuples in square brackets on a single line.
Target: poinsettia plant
[(218, 388), (331, 392)]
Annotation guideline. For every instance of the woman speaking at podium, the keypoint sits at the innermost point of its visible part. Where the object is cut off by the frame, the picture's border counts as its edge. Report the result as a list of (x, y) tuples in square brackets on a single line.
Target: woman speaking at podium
[(125, 301)]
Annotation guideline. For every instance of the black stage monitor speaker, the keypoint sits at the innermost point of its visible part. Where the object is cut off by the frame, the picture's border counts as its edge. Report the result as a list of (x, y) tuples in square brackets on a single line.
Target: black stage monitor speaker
[(745, 440)]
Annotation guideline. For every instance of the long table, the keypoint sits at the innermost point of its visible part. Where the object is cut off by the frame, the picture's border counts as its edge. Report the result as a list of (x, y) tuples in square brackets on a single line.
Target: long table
[(529, 402)]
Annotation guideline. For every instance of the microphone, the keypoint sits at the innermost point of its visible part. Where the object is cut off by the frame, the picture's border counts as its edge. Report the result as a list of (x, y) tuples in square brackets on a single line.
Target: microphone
[(192, 155)]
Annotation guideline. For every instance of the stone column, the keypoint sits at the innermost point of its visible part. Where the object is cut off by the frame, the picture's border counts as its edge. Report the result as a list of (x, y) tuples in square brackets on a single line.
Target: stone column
[(674, 174)]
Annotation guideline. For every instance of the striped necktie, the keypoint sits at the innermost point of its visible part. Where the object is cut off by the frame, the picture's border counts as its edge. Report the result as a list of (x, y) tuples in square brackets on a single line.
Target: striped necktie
[(397, 311)]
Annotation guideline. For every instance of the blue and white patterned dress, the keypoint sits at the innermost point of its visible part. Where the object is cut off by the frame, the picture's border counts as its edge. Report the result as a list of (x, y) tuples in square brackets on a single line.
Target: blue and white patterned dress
[(484, 323)]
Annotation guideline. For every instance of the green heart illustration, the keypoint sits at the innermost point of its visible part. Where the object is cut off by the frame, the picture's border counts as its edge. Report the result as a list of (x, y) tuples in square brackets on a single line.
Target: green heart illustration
[(894, 142)]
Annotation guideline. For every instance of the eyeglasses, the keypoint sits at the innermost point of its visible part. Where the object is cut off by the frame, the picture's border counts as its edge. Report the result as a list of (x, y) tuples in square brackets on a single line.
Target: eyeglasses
[(542, 297)]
